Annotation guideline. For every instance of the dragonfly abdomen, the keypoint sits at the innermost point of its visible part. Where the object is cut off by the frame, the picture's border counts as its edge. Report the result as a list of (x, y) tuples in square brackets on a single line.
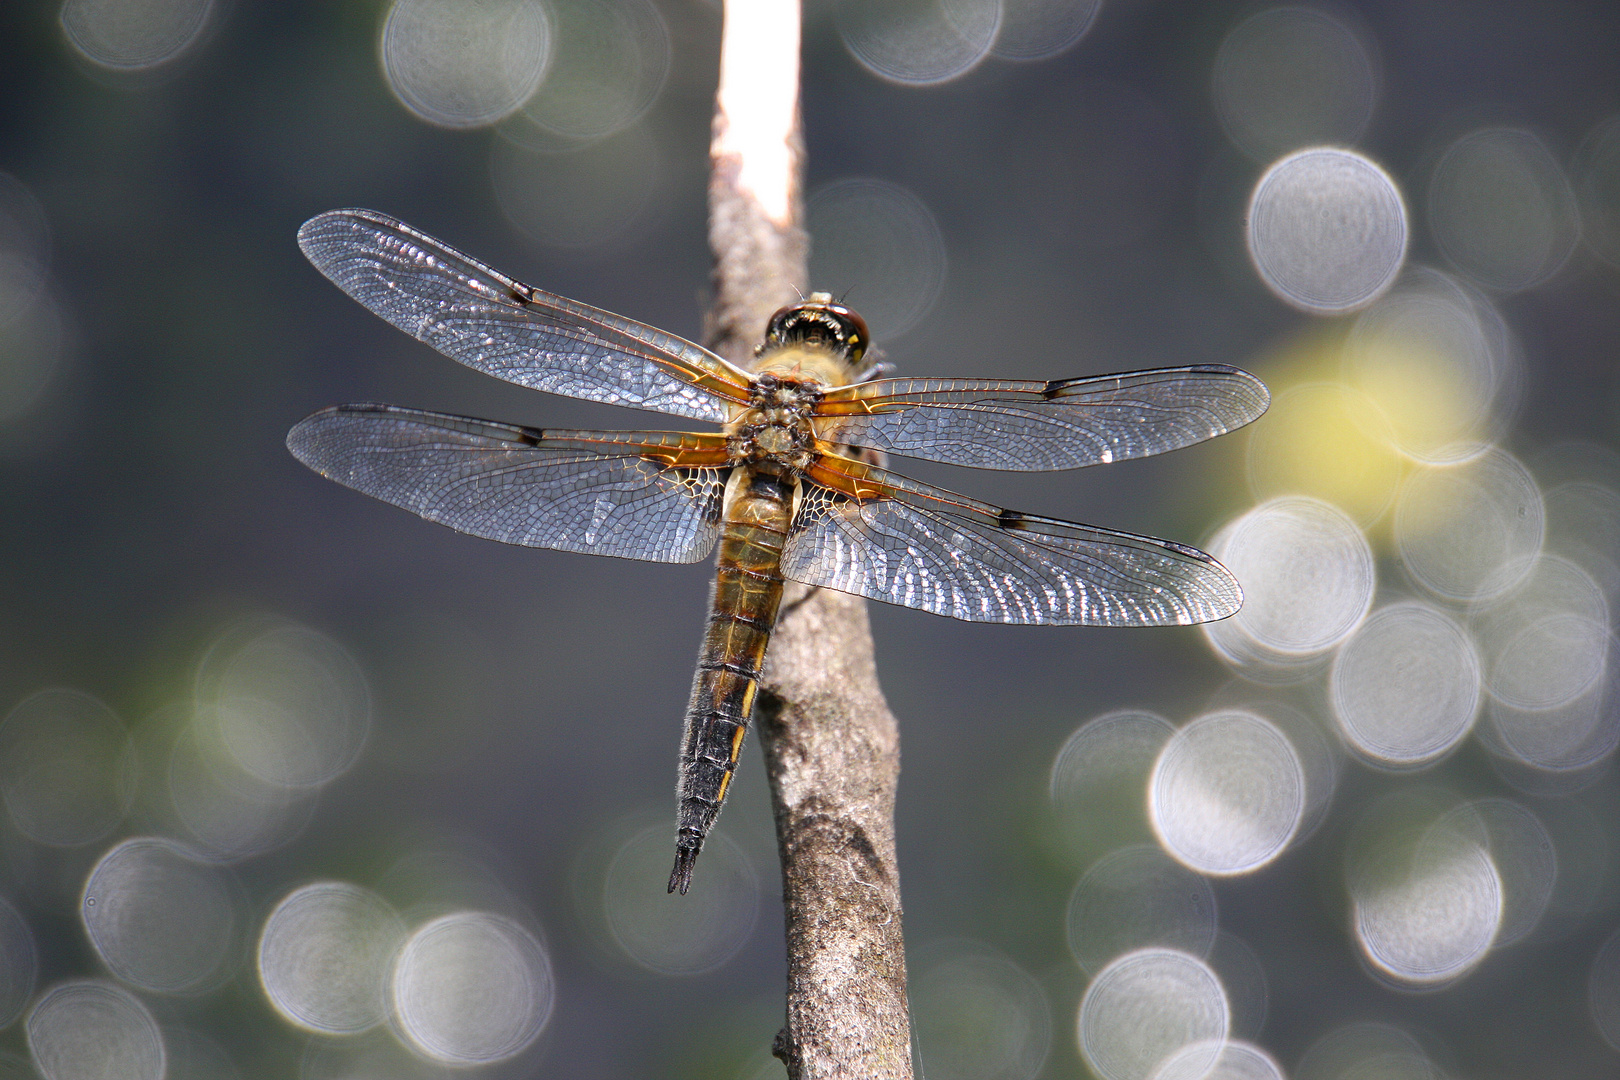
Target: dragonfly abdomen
[(742, 613)]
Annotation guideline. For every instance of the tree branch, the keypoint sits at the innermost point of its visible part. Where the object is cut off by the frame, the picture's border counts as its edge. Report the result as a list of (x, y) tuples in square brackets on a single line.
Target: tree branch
[(832, 747)]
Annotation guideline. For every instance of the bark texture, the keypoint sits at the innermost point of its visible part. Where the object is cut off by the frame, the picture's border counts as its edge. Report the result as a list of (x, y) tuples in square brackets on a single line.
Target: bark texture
[(831, 745), (832, 748), (759, 263)]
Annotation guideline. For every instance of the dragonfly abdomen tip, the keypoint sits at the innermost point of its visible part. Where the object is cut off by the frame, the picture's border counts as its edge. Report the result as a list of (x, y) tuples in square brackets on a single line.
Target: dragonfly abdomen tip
[(681, 877)]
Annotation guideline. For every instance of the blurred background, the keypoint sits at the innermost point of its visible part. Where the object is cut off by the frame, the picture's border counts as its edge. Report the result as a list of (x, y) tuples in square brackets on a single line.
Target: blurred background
[(298, 785)]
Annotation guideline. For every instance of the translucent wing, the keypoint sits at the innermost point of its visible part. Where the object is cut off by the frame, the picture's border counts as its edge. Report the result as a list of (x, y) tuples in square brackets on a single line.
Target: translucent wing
[(863, 530), (1034, 426), (507, 329), (651, 495)]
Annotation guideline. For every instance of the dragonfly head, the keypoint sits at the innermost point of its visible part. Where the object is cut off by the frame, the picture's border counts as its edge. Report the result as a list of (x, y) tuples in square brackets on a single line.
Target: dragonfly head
[(819, 320)]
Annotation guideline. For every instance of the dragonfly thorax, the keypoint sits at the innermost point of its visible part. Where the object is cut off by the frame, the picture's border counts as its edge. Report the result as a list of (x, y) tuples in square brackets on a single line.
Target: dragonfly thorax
[(775, 427)]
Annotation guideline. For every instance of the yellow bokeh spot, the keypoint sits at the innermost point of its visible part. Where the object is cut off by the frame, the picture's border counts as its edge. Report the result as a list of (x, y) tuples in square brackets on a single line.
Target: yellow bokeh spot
[(1436, 412), (1330, 442)]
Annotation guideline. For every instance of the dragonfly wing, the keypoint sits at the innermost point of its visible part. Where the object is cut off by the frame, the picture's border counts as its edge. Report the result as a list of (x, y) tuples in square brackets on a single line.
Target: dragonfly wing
[(1034, 426), (862, 530), (636, 494), (504, 328)]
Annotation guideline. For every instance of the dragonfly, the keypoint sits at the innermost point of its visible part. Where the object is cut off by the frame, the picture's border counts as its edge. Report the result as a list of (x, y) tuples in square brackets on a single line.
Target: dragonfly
[(789, 488)]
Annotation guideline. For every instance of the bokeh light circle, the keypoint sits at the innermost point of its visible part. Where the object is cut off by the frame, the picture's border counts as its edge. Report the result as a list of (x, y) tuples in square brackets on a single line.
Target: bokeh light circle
[(1327, 230), (1147, 1007), (1546, 642), (229, 813), (1440, 361), (919, 42), (324, 956), (290, 705), (1366, 1051), (978, 1014), (1041, 29), (67, 768), (470, 988), (1522, 852), (699, 934), (1567, 739), (465, 63), (1502, 210), (19, 963), (1428, 919), (1470, 531), (93, 1031), (1231, 1059), (1405, 687), (1126, 742), (1328, 441), (1597, 189), (132, 35), (1549, 662), (161, 918), (610, 61), (1583, 525), (1134, 898), (1307, 575), (880, 243), (1098, 777), (1292, 76), (1319, 753), (1603, 990), (1227, 794)]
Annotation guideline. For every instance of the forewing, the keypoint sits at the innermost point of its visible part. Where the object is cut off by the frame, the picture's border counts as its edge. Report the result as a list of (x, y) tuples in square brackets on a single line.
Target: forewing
[(866, 531), (1034, 426), (507, 329), (636, 494)]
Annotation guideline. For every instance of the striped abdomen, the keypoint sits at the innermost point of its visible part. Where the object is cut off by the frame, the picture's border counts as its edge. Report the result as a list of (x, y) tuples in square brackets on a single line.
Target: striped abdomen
[(747, 592)]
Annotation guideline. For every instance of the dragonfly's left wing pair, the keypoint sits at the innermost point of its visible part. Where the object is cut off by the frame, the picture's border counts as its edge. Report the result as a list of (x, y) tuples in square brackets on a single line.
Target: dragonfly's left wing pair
[(480, 317), (652, 495)]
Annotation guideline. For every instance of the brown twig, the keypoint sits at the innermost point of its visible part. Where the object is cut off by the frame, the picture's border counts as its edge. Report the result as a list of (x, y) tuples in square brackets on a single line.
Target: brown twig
[(832, 746)]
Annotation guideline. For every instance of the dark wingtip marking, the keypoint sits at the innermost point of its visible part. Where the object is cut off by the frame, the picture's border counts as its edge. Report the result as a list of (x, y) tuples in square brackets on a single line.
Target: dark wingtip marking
[(531, 436), (1010, 519), (1192, 553)]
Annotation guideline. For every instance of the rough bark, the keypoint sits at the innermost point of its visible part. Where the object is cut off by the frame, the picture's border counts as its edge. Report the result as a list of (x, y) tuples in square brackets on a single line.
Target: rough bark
[(832, 748), (831, 745)]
